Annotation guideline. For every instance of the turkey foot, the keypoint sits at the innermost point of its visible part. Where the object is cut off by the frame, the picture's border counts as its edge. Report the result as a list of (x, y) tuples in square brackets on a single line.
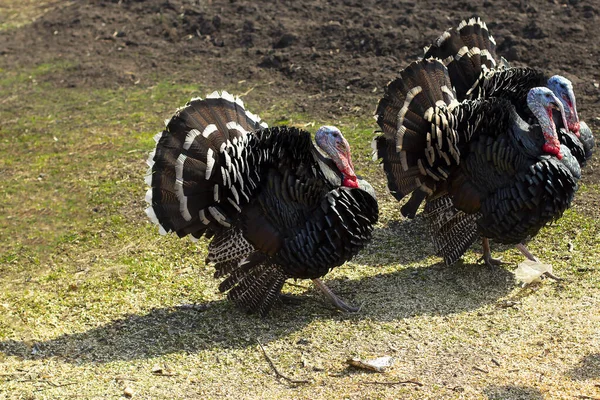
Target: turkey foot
[(336, 301), (487, 255), (523, 249)]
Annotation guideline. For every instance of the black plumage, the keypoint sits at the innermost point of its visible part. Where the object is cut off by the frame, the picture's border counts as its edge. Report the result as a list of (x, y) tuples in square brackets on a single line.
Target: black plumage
[(477, 164), (475, 70), (274, 203), (469, 53)]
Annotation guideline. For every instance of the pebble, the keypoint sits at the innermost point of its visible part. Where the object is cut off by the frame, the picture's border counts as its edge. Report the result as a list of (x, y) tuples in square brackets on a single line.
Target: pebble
[(128, 392)]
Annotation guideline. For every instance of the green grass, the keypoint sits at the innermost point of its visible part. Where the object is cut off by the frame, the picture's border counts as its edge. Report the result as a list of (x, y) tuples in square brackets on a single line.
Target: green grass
[(91, 296), (16, 13)]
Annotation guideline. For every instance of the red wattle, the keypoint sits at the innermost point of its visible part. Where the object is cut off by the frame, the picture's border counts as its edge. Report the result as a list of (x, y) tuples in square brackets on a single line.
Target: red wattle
[(575, 128), (550, 148), (350, 182)]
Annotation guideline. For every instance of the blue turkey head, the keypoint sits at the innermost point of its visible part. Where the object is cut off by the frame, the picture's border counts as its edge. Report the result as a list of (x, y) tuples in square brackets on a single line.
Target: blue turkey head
[(335, 145), (563, 89)]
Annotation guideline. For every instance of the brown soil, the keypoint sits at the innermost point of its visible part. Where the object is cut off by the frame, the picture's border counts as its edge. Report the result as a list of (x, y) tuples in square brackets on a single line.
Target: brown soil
[(325, 58)]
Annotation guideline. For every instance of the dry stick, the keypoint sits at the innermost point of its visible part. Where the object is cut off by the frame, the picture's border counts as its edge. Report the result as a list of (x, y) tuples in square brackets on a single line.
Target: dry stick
[(279, 374), (54, 385), (125, 378), (394, 383)]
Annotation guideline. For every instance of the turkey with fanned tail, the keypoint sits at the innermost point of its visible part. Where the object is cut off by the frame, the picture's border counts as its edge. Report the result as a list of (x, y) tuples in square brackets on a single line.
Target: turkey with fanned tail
[(508, 178), (275, 206), (469, 53), (475, 70)]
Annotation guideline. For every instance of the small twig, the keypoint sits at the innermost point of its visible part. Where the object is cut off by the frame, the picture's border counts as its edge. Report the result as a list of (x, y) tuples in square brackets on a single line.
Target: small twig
[(476, 368), (125, 378), (279, 374), (391, 346), (12, 373), (496, 362), (583, 396), (410, 381), (54, 385), (247, 91)]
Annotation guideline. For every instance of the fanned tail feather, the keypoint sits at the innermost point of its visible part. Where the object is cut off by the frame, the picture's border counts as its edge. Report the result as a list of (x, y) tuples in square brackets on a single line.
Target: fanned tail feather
[(197, 168), (412, 154), (467, 52)]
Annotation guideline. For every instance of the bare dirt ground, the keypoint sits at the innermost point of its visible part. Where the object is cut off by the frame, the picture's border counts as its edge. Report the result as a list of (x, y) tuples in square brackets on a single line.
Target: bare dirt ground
[(328, 58)]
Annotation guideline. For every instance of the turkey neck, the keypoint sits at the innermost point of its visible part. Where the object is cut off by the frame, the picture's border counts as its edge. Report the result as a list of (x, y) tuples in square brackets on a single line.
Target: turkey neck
[(528, 138), (327, 168), (544, 118)]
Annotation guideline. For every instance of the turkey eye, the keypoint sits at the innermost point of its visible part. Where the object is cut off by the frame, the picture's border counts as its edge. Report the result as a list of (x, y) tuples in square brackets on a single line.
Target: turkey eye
[(335, 135)]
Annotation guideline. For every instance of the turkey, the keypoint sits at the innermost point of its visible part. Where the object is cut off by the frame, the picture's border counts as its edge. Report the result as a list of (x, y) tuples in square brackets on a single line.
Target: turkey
[(469, 53), (506, 179), (275, 206)]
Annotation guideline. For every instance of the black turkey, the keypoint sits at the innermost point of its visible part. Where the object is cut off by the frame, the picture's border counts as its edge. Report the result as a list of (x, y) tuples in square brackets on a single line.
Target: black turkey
[(276, 206), (507, 178), (469, 53)]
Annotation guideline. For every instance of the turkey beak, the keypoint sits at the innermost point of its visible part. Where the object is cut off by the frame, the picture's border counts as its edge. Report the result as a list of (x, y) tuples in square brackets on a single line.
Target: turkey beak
[(561, 109)]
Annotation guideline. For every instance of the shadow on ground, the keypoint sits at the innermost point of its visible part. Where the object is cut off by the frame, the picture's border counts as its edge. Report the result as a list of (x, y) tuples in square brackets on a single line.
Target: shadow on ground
[(407, 241), (401, 242), (513, 393), (433, 290), (587, 368)]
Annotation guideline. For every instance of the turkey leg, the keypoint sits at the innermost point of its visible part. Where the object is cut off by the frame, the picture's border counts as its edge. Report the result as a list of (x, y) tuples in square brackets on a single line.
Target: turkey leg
[(487, 254), (523, 249), (336, 301)]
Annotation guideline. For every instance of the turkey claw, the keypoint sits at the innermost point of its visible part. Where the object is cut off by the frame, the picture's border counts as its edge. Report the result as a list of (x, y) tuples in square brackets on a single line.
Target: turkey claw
[(334, 299), (550, 275), (491, 261), (347, 307)]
